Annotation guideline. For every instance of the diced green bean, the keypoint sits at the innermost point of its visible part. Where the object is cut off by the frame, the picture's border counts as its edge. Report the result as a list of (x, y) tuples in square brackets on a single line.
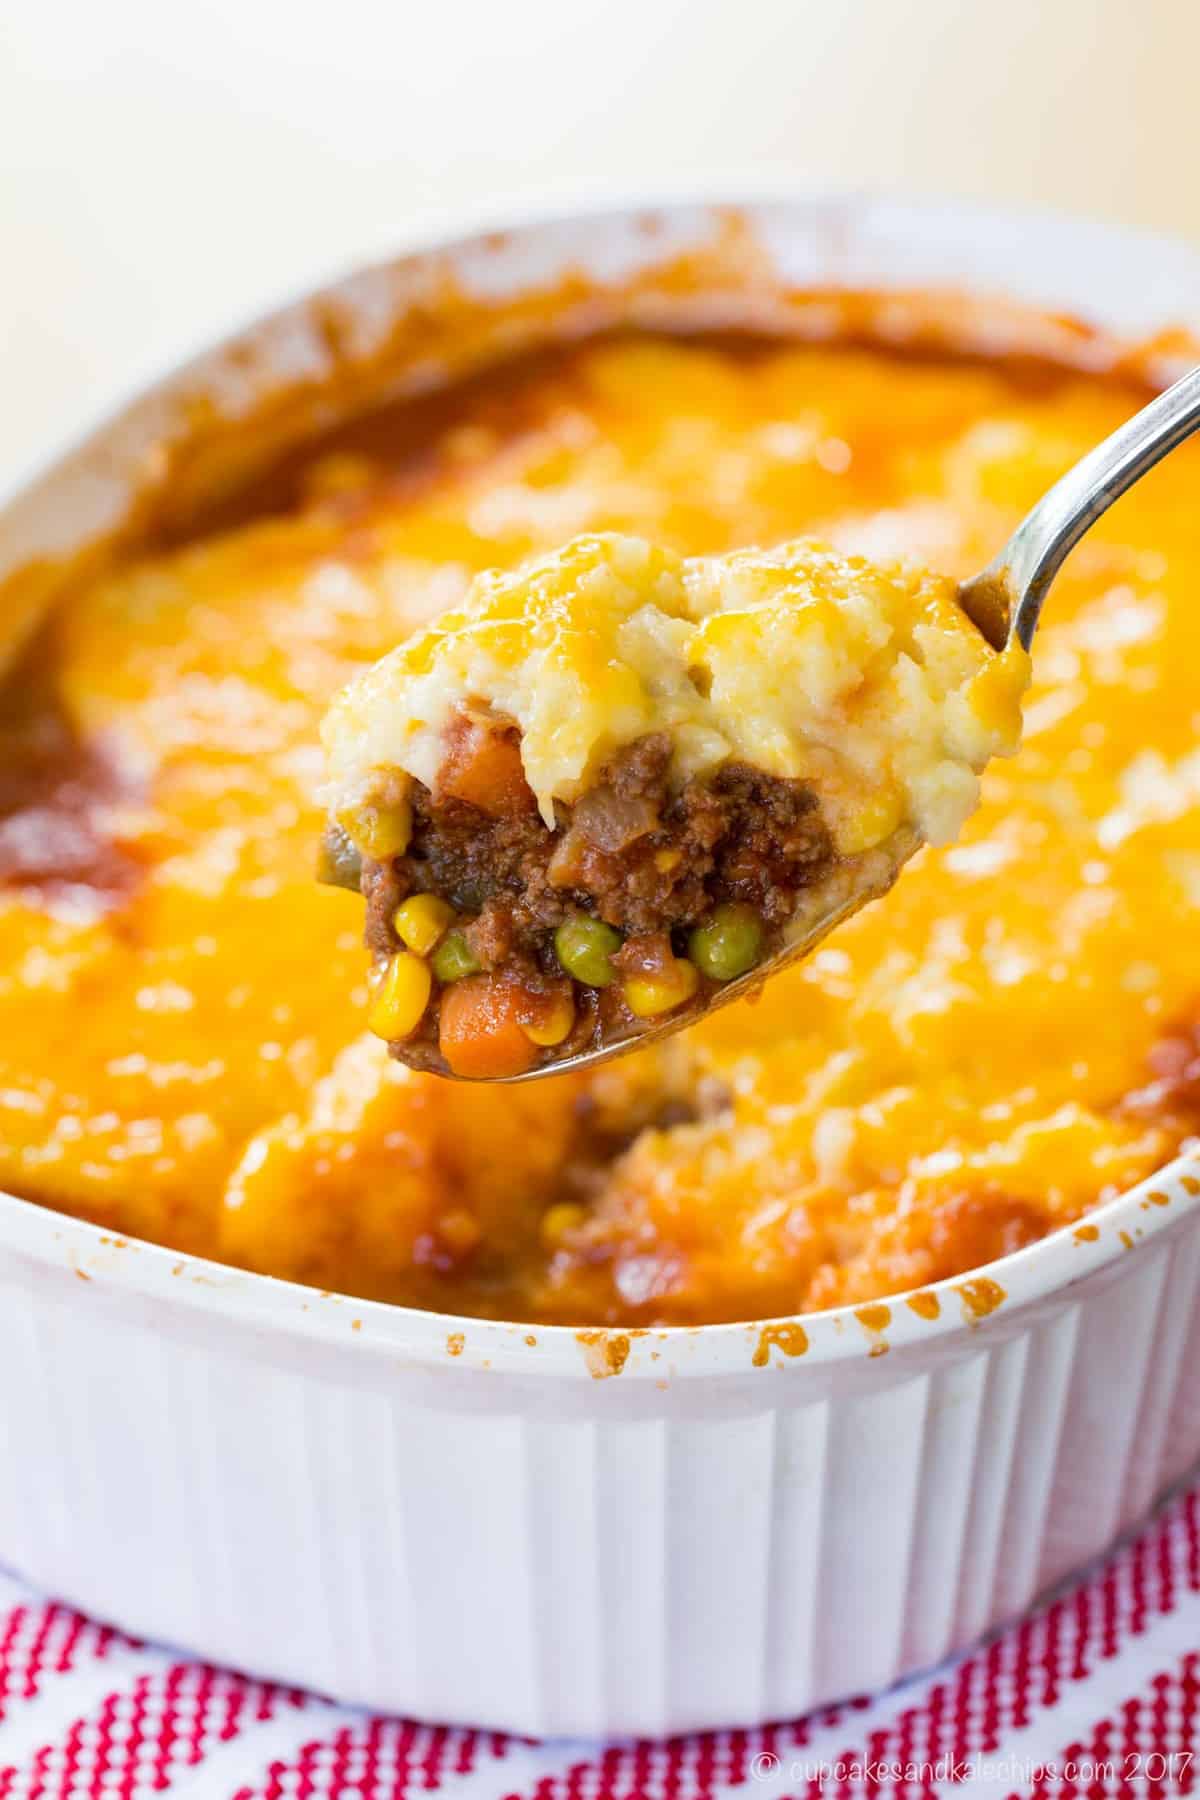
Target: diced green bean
[(728, 943), (585, 948), (339, 863), (453, 959)]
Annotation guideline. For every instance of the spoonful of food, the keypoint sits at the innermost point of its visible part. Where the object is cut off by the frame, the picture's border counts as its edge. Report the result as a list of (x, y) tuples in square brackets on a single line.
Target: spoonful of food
[(617, 787)]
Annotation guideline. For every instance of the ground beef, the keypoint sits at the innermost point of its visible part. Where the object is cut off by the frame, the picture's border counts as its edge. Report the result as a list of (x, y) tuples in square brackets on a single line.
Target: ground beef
[(603, 1133), (632, 852), (493, 936), (384, 886), (467, 857)]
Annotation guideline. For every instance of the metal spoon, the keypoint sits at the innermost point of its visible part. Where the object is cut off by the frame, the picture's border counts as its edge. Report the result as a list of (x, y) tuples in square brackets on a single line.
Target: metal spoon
[(1004, 599), (1007, 597)]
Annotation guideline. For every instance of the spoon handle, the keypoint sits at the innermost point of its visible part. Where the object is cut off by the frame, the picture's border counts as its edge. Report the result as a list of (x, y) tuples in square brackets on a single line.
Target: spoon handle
[(1017, 579)]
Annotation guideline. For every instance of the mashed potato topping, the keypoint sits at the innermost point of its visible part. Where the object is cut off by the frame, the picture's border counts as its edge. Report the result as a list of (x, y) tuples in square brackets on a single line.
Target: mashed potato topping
[(863, 680)]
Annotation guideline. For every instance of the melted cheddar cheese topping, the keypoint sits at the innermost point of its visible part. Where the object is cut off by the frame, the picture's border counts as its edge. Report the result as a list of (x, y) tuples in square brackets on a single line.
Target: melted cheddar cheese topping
[(1003, 1041), (863, 680)]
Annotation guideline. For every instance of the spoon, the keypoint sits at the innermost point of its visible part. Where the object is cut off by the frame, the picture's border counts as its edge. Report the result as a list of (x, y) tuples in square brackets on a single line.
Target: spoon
[(1007, 597), (1004, 600)]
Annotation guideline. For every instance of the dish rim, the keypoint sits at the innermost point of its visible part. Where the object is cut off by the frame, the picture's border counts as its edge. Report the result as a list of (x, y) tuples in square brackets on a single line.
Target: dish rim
[(982, 1298), (977, 1299)]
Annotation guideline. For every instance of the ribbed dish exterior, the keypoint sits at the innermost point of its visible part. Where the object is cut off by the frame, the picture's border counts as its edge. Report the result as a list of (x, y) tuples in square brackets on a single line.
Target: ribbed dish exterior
[(538, 1530), (565, 1554)]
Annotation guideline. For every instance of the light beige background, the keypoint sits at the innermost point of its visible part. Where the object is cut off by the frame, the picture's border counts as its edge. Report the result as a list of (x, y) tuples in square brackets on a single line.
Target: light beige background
[(168, 168)]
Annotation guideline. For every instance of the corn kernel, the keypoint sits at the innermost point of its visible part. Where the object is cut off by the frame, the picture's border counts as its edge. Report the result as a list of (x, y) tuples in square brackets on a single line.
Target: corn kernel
[(459, 1230), (666, 860), (377, 830), (401, 997), (553, 1021), (559, 1220), (870, 822), (420, 921), (648, 995)]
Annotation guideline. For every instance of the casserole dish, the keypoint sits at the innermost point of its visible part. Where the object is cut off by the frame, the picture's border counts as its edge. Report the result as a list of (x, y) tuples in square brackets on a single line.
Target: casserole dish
[(538, 1528)]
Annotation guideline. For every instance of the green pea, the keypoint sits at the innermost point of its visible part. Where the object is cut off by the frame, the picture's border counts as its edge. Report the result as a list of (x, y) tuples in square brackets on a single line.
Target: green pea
[(585, 948), (339, 863), (729, 942), (453, 959)]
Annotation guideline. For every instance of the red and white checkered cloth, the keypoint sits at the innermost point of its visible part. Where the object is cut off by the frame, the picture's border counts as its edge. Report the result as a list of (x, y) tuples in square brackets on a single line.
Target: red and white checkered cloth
[(1096, 1694)]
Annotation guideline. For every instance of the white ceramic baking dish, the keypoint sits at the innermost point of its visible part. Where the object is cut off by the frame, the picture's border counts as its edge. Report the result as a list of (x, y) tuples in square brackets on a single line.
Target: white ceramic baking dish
[(538, 1529)]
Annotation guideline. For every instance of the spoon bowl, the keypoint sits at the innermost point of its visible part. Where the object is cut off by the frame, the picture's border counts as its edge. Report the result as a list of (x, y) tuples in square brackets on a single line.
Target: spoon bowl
[(851, 885)]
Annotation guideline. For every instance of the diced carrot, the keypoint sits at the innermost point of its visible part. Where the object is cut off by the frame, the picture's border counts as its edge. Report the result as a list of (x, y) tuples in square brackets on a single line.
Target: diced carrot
[(479, 1028), (483, 767)]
